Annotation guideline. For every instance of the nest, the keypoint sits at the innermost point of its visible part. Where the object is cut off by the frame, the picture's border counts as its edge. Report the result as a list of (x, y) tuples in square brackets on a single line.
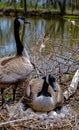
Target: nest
[(17, 119)]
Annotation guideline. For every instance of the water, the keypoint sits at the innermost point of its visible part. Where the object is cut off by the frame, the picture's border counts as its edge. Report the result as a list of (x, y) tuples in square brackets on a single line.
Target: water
[(61, 32), (53, 39)]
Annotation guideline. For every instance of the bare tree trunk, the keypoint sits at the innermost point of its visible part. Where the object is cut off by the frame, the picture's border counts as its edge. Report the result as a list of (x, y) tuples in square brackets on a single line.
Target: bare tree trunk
[(25, 7), (14, 3), (62, 6)]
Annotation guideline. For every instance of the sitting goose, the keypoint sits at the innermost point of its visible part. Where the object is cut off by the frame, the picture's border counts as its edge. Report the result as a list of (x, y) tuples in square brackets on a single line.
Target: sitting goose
[(15, 68), (40, 96)]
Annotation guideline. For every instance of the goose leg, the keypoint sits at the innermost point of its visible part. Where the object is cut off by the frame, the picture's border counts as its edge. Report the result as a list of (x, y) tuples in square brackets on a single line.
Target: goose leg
[(2, 93), (14, 90)]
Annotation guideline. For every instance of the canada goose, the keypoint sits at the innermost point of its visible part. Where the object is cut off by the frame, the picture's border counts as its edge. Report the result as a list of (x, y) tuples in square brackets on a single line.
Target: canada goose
[(15, 68), (40, 96)]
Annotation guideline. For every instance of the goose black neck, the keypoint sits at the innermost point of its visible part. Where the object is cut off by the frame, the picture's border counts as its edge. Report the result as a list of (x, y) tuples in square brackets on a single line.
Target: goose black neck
[(44, 90), (19, 45)]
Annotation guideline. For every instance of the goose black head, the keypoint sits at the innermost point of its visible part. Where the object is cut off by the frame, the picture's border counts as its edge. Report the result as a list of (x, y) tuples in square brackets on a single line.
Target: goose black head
[(50, 79), (20, 20)]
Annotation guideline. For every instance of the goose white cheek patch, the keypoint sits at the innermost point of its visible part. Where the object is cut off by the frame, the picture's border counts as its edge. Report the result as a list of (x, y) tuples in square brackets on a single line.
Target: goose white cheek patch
[(21, 21)]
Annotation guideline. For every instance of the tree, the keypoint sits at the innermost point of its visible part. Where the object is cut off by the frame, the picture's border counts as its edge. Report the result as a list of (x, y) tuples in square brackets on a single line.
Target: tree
[(62, 5), (21, 3), (25, 7)]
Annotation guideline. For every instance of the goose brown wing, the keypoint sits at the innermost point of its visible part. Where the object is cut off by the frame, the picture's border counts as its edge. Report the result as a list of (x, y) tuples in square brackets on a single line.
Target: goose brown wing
[(15, 69)]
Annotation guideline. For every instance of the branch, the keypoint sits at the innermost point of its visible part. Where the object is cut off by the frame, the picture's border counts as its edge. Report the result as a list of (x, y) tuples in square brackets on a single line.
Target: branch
[(73, 86), (13, 121), (6, 124)]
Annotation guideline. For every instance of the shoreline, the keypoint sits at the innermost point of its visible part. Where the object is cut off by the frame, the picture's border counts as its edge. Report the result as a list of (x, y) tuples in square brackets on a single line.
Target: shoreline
[(37, 13)]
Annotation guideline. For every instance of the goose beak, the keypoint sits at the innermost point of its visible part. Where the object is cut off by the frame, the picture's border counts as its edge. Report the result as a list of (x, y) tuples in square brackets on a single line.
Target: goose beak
[(53, 85), (26, 22)]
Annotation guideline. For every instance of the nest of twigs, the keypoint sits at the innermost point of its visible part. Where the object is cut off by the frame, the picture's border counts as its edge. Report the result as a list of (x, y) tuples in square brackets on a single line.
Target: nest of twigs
[(17, 119)]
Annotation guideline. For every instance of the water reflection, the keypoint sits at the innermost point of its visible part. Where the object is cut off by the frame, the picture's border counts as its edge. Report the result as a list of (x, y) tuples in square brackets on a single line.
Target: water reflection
[(62, 34), (7, 45)]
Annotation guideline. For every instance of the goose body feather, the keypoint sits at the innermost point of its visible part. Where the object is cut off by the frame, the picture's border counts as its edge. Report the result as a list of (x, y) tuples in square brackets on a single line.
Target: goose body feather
[(43, 103), (14, 69)]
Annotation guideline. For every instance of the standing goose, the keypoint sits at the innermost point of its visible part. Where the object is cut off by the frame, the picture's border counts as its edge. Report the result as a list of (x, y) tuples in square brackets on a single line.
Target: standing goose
[(40, 96), (15, 68)]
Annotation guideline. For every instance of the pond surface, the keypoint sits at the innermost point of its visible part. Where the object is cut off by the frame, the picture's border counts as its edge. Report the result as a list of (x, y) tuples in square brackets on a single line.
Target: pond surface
[(59, 31), (44, 39)]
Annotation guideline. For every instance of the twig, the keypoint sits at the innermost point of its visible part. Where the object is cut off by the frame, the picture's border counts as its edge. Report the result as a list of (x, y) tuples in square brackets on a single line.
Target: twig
[(11, 122), (15, 108)]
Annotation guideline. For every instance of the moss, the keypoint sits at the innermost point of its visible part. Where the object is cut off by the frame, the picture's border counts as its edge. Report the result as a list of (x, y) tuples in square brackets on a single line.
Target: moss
[(7, 96), (71, 17)]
